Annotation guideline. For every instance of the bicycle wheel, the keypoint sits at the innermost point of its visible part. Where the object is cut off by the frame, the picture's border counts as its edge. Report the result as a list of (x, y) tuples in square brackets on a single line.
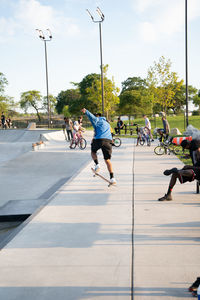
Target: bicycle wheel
[(72, 144), (159, 150), (117, 142), (82, 143), (176, 150), (142, 141)]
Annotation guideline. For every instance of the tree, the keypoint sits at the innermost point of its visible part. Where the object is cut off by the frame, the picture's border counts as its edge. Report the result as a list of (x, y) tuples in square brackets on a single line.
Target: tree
[(68, 97), (134, 83), (31, 99), (66, 112), (52, 103), (94, 94), (90, 94), (196, 100), (88, 86), (135, 97), (180, 98), (163, 84), (3, 83), (4, 100)]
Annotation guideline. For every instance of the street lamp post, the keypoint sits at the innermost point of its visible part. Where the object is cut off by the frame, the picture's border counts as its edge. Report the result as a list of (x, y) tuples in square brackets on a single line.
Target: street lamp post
[(186, 64), (46, 39), (101, 56)]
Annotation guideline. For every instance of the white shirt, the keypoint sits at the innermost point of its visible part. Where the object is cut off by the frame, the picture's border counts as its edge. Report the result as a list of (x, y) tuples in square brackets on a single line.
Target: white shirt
[(147, 123)]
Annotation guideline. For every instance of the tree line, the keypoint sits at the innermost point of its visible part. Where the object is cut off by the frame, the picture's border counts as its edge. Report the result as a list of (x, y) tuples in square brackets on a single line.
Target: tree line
[(161, 90)]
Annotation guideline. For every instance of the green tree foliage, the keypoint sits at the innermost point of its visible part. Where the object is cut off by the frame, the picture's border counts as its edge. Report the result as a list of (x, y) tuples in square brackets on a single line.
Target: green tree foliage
[(94, 94), (3, 83), (31, 99), (52, 103), (180, 98), (5, 101), (163, 84), (134, 83), (196, 100), (135, 97), (66, 112), (90, 81), (68, 97)]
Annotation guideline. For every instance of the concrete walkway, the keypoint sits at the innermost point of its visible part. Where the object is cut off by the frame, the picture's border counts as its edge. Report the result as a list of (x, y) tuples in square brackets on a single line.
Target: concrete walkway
[(94, 242)]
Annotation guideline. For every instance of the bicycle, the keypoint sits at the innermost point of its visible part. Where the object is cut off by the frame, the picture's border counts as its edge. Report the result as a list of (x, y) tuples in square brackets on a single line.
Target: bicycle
[(143, 135), (116, 142), (165, 148), (78, 141)]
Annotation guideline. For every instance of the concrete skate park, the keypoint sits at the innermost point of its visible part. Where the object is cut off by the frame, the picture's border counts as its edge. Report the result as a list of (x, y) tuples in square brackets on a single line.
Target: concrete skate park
[(66, 235)]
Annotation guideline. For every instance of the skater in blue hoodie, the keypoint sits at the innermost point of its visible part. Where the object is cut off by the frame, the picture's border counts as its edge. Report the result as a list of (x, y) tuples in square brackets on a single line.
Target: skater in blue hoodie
[(102, 140)]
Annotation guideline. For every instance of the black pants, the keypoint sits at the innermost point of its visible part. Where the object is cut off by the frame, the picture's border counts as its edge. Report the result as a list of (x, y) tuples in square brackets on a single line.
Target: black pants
[(69, 134)]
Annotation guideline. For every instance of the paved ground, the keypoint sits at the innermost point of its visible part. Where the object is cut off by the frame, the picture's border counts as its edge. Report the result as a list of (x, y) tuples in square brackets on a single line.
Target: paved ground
[(35, 175), (95, 242)]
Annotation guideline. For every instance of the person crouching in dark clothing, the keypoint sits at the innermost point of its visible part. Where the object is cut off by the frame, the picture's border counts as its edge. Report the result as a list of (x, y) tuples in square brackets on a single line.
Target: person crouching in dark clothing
[(187, 173)]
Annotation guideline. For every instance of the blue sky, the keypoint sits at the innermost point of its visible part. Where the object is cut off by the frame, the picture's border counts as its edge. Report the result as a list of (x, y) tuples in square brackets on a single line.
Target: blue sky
[(135, 34)]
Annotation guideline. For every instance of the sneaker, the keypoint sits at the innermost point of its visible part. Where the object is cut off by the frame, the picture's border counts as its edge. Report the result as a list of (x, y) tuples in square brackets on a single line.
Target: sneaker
[(113, 181), (97, 168), (165, 198), (195, 285), (170, 171)]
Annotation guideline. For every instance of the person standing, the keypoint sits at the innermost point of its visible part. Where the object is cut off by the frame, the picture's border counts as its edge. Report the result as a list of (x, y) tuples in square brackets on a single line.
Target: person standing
[(3, 120), (102, 140), (148, 126), (68, 125), (166, 128)]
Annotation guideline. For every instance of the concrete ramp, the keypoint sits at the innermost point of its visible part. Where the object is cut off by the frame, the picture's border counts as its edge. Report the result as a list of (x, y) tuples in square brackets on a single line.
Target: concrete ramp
[(15, 142), (23, 135), (31, 126), (53, 136)]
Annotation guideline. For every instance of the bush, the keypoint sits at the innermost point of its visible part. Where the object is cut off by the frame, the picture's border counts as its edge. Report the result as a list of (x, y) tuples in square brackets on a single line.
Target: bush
[(196, 113)]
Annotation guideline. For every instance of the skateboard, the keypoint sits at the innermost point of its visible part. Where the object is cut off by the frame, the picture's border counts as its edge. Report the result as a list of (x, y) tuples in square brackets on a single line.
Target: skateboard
[(102, 177)]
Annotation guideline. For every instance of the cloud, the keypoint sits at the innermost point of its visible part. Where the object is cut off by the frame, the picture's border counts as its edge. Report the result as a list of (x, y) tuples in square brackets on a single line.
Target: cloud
[(7, 29), (31, 14), (163, 18)]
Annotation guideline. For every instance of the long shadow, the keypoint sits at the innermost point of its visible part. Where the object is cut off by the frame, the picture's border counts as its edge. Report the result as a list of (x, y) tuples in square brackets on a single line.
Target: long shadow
[(174, 238), (67, 235), (185, 224), (161, 292), (63, 292)]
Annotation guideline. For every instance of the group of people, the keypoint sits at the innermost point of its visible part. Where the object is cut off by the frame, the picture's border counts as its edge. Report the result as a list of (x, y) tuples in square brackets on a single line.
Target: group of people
[(103, 135), (5, 123), (103, 140), (73, 129)]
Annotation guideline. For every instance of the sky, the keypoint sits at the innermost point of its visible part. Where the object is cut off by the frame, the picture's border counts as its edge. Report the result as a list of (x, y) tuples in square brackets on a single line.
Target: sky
[(135, 33)]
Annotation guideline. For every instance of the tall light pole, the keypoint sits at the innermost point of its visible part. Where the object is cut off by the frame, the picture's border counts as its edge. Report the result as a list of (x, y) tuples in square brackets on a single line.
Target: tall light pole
[(186, 63), (101, 57), (46, 39)]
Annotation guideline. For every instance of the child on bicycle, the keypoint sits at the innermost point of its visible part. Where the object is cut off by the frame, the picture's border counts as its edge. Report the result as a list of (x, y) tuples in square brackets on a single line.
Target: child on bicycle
[(77, 132)]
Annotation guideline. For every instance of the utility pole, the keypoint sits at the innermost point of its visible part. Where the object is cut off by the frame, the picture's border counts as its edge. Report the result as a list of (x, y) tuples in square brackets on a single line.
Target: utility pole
[(101, 55), (46, 39)]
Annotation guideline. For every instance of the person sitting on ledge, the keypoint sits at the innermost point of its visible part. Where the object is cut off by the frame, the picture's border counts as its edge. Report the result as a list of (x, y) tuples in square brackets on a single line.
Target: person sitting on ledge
[(120, 125), (187, 173)]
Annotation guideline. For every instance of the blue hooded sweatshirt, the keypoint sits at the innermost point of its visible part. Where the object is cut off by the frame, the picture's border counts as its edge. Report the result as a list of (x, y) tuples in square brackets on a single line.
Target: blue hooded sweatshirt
[(101, 126)]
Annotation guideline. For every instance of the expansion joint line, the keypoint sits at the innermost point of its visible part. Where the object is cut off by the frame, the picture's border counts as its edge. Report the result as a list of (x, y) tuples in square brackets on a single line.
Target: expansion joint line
[(132, 233)]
